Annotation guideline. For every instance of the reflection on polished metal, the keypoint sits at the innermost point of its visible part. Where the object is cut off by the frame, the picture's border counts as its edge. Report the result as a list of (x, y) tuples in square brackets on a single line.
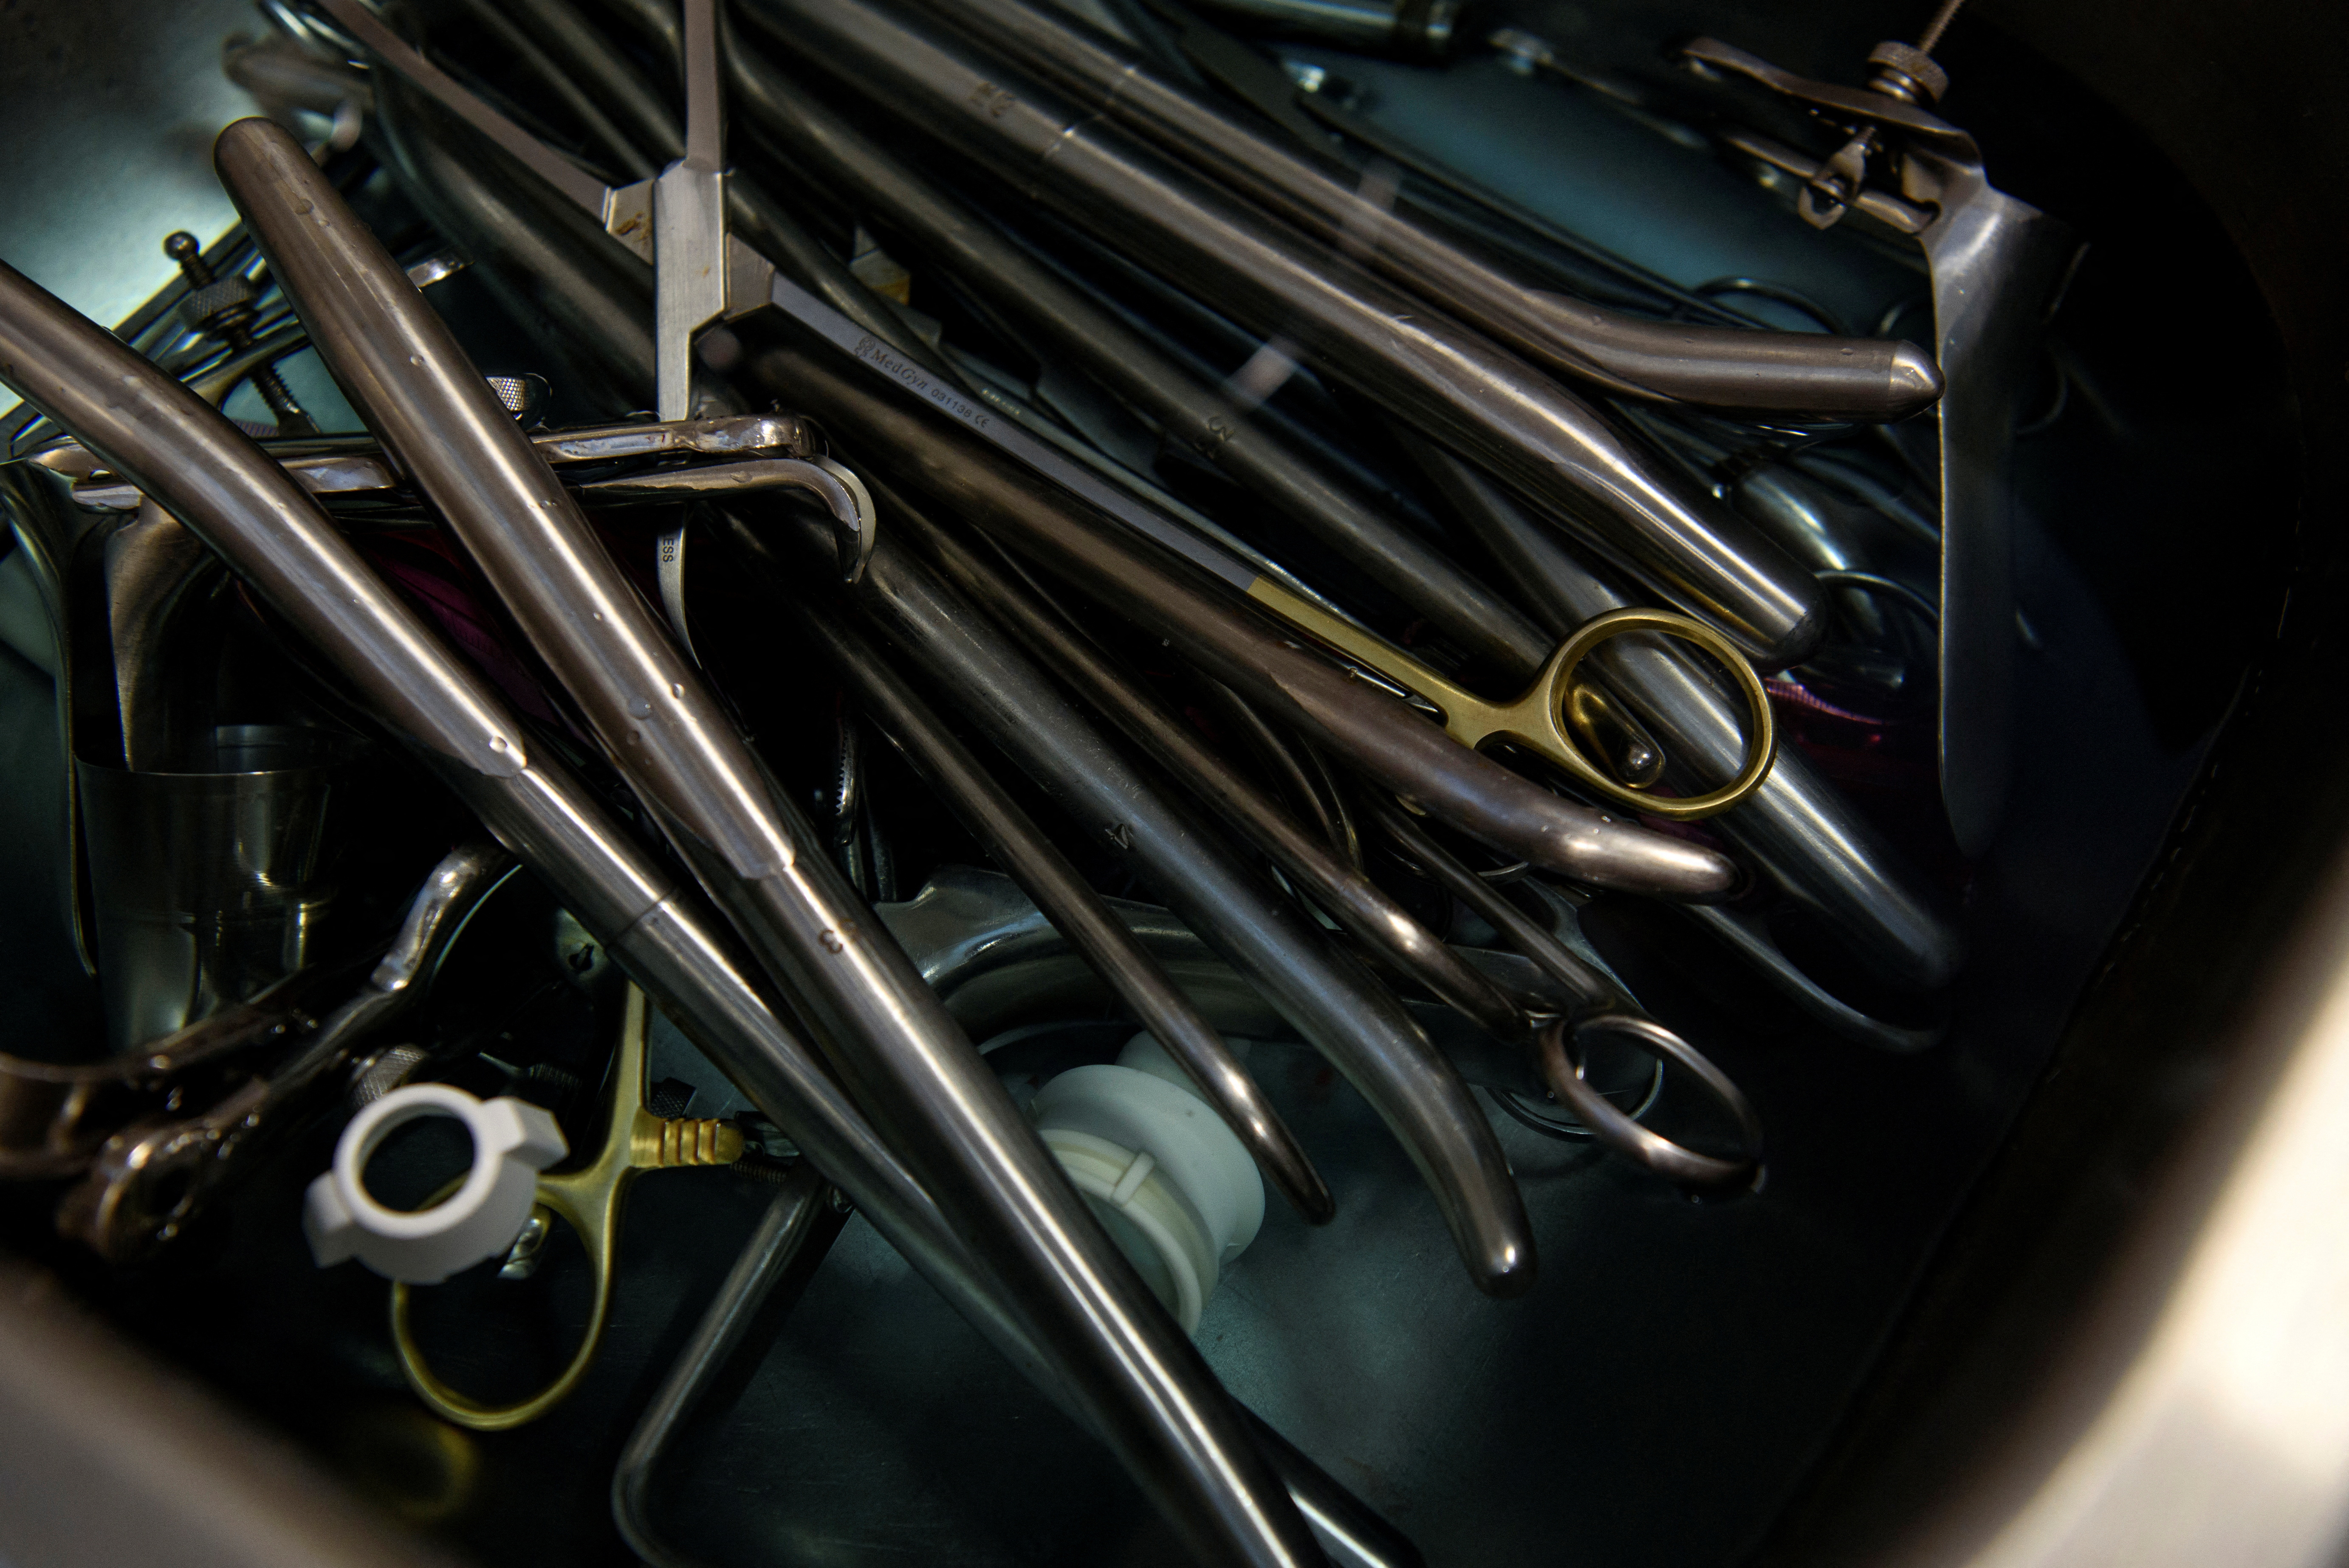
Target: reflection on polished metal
[(1339, 888), (1602, 1010), (212, 478), (790, 1220), (1323, 992), (1778, 372), (357, 468), (1412, 360), (1536, 718), (591, 1200), (150, 1180), (1143, 1384), (1561, 1050), (55, 1116), (1191, 408), (209, 881), (1997, 263), (1802, 835), (158, 576), (837, 488), (1020, 847), (1375, 731), (1417, 29)]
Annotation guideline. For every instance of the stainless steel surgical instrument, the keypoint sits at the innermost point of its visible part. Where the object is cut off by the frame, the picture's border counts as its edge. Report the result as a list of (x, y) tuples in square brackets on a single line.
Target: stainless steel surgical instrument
[(1483, 798), (1997, 263), (1144, 1386), (1803, 836), (1326, 995), (1603, 1011), (1784, 373), (1414, 360), (1015, 843), (1187, 592), (188, 456), (1340, 889)]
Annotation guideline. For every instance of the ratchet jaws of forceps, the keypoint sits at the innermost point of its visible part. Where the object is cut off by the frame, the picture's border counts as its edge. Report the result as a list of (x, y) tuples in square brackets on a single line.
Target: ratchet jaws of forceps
[(675, 220), (591, 1200)]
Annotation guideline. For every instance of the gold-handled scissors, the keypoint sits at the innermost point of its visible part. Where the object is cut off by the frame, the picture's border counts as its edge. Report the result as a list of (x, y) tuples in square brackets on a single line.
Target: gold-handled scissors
[(591, 1200), (703, 272), (1537, 717)]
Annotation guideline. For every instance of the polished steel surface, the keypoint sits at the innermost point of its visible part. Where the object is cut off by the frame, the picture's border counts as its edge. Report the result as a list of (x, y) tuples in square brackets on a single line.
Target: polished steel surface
[(1142, 1383), (1602, 1009), (211, 477), (783, 1232), (1375, 731), (1193, 409), (158, 576), (1997, 264), (1784, 373), (1015, 843), (1802, 834), (151, 1178), (1414, 361), (210, 881), (1322, 991), (1336, 886)]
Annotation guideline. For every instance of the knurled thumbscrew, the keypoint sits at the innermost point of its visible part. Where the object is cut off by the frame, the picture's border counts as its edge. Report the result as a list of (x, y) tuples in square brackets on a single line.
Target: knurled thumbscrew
[(222, 309)]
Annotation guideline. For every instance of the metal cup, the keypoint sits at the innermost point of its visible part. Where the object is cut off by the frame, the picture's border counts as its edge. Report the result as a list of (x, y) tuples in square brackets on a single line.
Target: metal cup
[(209, 885)]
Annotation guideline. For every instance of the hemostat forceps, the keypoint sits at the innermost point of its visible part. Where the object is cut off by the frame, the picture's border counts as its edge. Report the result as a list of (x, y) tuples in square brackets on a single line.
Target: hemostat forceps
[(675, 220), (591, 1200)]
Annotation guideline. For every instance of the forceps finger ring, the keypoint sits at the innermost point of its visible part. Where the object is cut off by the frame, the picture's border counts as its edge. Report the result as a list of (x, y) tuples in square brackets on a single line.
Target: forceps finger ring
[(1536, 717), (1559, 1050), (591, 1200)]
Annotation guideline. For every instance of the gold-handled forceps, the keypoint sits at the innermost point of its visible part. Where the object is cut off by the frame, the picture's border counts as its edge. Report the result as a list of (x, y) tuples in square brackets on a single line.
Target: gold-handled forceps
[(591, 1200)]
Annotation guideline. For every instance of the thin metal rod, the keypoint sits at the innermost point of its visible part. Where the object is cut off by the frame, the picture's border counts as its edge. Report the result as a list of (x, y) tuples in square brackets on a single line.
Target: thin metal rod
[(1942, 15), (1350, 898), (156, 432), (1142, 1382), (773, 1245), (1075, 910)]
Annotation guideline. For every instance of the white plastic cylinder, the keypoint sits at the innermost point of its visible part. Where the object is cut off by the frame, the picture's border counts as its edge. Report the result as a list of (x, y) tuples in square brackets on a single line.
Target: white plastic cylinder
[(1173, 1186), (513, 1141)]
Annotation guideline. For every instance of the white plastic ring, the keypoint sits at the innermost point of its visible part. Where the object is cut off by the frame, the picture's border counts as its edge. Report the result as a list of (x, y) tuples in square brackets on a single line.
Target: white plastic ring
[(513, 1141)]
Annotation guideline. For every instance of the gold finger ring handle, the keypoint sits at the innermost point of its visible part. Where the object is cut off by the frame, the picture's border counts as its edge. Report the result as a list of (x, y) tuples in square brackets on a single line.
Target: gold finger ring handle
[(463, 1409), (1761, 731)]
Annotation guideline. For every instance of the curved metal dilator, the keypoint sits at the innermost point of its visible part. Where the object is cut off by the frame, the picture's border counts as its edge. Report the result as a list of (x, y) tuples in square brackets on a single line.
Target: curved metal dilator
[(1539, 717), (677, 221), (591, 1200)]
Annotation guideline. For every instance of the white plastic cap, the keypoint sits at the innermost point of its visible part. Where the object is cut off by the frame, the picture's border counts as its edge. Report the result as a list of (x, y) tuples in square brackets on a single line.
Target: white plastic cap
[(1172, 1183), (513, 1141)]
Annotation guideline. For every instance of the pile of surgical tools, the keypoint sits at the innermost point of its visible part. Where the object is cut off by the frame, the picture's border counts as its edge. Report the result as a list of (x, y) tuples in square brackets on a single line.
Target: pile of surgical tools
[(923, 518)]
